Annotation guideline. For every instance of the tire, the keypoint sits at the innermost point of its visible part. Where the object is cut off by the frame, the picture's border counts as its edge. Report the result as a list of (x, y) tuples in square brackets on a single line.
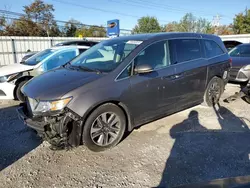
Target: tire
[(247, 99), (98, 121), (213, 91), (19, 94)]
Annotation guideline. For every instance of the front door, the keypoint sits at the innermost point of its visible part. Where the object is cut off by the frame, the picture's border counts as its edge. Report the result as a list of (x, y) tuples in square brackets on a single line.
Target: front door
[(146, 102)]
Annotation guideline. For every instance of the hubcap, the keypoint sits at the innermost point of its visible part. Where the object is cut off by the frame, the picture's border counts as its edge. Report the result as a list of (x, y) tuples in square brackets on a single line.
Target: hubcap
[(105, 128), (214, 92)]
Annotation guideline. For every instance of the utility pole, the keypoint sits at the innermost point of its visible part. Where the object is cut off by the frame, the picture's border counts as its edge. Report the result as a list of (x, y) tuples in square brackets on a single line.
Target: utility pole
[(216, 23)]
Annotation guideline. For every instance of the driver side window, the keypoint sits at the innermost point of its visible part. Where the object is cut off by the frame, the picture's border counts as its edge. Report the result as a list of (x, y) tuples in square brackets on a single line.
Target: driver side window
[(155, 55)]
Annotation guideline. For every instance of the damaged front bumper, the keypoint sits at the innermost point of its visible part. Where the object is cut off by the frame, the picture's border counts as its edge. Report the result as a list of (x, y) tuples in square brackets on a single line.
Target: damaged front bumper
[(61, 130)]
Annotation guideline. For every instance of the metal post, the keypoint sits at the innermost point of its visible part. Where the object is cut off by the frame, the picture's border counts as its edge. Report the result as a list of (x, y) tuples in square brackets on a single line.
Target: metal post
[(51, 42), (13, 50)]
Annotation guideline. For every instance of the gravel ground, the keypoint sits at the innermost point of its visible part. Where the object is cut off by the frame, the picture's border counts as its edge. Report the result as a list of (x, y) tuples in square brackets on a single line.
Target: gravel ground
[(195, 145)]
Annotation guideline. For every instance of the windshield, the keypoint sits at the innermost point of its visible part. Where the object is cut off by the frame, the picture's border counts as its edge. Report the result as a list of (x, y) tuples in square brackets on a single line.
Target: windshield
[(35, 59), (234, 52), (105, 56)]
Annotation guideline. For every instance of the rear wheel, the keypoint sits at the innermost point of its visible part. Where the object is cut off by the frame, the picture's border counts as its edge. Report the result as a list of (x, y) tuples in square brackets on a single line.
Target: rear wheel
[(104, 128), (213, 91), (19, 94)]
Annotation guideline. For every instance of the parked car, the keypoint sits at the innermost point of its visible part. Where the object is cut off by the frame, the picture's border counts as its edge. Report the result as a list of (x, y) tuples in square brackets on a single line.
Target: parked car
[(66, 43), (78, 42), (13, 77), (26, 56), (240, 71), (230, 44), (122, 83)]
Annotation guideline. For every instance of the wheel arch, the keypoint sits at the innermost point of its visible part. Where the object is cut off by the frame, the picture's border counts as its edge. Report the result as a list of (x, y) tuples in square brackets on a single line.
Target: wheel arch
[(18, 81), (121, 105)]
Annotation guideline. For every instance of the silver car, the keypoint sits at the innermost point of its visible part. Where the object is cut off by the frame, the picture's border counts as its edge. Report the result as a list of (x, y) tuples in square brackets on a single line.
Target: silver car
[(240, 70)]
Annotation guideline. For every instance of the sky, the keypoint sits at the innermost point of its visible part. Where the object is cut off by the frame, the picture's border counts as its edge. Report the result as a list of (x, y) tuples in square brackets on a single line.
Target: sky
[(97, 12)]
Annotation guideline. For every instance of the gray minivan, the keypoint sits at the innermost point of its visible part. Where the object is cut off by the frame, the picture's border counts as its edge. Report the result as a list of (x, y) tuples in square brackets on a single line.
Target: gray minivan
[(122, 83)]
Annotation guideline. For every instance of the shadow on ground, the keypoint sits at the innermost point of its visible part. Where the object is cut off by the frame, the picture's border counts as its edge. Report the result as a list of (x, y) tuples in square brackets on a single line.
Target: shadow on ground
[(16, 138), (199, 154)]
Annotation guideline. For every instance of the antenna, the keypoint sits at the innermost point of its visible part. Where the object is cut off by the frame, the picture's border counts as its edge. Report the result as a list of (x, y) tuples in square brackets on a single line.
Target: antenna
[(216, 22)]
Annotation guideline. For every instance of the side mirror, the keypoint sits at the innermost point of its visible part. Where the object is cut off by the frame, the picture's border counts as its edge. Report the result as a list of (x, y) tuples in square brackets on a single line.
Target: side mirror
[(144, 68)]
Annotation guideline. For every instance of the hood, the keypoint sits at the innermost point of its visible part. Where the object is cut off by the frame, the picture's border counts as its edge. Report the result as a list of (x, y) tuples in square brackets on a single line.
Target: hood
[(54, 84), (14, 68)]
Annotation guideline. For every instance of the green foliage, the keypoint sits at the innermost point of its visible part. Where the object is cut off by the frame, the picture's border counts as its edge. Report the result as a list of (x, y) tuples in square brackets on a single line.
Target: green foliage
[(92, 31), (71, 28), (241, 24), (189, 23), (39, 21), (147, 24)]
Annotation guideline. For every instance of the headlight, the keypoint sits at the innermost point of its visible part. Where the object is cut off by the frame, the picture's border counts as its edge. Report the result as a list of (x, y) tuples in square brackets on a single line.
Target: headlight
[(7, 78), (3, 79), (46, 106), (246, 67)]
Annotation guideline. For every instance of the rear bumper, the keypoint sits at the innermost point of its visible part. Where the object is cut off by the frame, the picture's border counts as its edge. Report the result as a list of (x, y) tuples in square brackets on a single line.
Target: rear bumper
[(7, 90)]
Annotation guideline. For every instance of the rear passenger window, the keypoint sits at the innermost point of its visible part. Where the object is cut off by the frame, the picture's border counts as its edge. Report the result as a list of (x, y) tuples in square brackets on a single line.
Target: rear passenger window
[(212, 49), (185, 50)]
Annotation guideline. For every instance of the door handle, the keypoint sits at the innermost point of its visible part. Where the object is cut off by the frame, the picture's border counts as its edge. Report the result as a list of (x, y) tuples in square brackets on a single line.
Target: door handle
[(173, 77)]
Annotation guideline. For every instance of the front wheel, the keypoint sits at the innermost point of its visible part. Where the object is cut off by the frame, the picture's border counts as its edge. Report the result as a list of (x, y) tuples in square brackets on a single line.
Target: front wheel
[(104, 128), (213, 91), (19, 94)]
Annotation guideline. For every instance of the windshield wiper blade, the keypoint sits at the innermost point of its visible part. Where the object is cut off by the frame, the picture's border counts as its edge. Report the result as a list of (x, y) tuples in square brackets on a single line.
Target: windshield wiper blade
[(88, 69)]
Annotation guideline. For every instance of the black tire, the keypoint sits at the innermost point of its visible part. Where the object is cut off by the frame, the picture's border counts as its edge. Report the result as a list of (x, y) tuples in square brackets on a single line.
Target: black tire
[(246, 99), (19, 94), (87, 135), (212, 96)]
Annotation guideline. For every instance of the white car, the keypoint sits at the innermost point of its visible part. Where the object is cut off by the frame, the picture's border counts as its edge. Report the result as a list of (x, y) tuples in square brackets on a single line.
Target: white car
[(14, 76)]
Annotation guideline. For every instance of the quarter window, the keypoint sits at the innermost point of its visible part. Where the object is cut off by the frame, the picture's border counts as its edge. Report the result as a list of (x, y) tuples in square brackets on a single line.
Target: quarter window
[(212, 49), (185, 49)]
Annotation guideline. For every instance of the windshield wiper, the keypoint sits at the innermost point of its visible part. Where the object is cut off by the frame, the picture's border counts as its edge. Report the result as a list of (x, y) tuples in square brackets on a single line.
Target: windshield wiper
[(87, 69)]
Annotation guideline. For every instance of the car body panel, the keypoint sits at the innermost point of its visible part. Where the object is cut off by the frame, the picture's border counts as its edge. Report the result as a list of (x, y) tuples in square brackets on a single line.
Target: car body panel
[(14, 68), (239, 61), (6, 90), (71, 79)]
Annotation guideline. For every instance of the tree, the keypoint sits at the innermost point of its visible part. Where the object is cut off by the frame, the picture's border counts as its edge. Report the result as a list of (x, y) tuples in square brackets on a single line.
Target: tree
[(171, 27), (223, 30), (189, 23), (40, 12), (241, 24), (71, 27), (147, 24), (91, 31)]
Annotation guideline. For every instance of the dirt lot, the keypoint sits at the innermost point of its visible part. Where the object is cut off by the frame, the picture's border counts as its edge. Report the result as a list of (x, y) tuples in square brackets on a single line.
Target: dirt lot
[(195, 145)]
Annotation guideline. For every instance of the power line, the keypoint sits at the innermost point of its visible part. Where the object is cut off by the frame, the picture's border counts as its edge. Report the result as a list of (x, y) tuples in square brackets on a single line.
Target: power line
[(101, 10), (11, 14)]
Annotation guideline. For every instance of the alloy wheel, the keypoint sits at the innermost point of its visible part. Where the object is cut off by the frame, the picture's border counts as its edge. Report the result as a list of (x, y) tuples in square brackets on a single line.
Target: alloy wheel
[(105, 128)]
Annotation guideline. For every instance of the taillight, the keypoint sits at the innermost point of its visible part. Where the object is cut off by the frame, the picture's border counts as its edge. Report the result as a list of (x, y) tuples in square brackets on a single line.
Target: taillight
[(230, 61)]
